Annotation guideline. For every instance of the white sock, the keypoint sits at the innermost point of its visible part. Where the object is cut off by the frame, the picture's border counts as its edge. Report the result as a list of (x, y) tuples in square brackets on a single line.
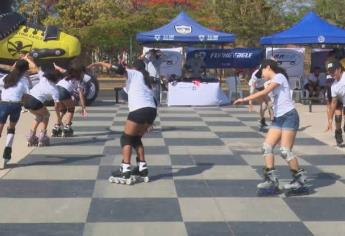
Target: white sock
[(9, 140)]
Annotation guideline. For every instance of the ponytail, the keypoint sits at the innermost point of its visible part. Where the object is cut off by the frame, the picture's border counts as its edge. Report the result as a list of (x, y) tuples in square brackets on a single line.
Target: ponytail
[(12, 78)]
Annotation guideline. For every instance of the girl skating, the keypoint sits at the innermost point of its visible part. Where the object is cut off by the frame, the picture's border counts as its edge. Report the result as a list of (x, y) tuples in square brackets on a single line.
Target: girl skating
[(283, 129), (15, 86), (142, 113)]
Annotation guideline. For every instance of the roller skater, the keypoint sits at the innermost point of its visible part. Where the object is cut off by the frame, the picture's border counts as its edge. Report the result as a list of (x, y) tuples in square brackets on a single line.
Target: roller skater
[(57, 130), (68, 87), (270, 186), (15, 86), (258, 84), (336, 71), (39, 94), (283, 129), (43, 139), (142, 114)]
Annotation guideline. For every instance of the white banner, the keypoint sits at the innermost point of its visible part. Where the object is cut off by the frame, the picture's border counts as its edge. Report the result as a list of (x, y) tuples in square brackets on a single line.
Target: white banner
[(291, 59), (196, 94), (172, 61)]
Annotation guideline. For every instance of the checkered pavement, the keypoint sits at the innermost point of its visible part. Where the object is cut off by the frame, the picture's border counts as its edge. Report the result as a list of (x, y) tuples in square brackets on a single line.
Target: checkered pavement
[(204, 165)]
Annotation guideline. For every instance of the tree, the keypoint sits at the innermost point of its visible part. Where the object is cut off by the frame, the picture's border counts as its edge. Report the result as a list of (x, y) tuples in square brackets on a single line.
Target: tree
[(249, 19), (332, 10)]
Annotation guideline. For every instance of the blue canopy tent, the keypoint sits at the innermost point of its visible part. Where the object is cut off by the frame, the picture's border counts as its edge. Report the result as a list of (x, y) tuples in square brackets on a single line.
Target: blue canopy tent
[(311, 29), (183, 29)]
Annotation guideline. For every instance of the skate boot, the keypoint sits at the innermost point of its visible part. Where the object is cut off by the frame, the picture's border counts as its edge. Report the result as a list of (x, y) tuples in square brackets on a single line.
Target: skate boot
[(32, 139), (43, 139), (67, 131), (6, 157), (339, 137), (57, 131), (270, 186), (141, 171), (298, 184), (263, 124), (122, 176)]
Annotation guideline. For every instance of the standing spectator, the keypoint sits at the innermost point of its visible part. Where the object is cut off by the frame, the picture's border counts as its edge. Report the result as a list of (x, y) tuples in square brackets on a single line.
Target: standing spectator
[(153, 60), (315, 83)]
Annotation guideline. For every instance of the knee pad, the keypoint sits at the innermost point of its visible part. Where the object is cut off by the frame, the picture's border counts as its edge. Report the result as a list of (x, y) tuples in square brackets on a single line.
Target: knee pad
[(71, 109), (286, 154), (38, 118), (338, 118), (267, 149), (11, 131), (46, 117)]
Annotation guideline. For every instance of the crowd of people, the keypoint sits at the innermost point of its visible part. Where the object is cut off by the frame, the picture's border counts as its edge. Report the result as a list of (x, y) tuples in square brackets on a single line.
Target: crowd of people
[(269, 83), (54, 83)]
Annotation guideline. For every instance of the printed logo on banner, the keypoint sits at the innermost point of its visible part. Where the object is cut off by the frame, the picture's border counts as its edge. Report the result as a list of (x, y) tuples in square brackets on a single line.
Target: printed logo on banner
[(201, 37), (157, 37), (321, 39), (183, 29)]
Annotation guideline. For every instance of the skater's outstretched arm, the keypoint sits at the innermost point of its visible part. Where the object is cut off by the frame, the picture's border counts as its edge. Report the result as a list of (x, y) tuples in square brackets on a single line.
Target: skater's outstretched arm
[(260, 94)]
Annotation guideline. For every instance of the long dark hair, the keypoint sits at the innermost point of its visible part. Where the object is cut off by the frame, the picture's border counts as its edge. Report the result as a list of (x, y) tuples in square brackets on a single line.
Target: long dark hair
[(16, 74), (50, 73), (139, 65), (275, 67), (75, 71)]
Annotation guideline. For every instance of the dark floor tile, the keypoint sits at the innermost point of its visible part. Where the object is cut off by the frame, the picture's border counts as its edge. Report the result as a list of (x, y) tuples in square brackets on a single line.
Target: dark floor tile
[(135, 210)]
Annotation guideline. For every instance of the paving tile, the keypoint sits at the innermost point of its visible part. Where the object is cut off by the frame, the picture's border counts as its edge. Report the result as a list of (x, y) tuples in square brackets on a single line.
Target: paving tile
[(45, 229), (135, 228), (44, 210), (208, 228), (134, 210), (270, 228), (46, 189), (318, 209)]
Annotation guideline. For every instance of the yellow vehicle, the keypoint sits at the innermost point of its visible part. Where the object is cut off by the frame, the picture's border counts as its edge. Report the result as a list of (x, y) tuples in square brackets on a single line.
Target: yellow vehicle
[(17, 37)]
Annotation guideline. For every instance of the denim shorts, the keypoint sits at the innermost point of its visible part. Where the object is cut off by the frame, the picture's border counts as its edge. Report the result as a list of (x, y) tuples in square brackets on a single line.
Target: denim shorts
[(10, 109), (288, 121)]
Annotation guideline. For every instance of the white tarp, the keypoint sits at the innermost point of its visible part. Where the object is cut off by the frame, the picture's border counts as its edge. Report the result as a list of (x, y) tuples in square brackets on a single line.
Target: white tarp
[(291, 59), (196, 94), (172, 61)]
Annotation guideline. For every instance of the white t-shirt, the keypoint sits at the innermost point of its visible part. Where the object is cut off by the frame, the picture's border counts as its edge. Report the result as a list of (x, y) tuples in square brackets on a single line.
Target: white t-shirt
[(15, 93), (70, 85), (153, 64), (139, 95), (45, 90), (338, 89), (281, 96), (255, 81)]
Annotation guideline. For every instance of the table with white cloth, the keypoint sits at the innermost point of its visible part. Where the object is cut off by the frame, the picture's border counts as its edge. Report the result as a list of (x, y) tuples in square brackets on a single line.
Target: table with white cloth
[(196, 94)]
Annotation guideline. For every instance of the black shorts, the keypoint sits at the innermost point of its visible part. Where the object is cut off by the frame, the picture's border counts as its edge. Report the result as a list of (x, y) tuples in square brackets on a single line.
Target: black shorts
[(146, 115), (31, 103), (64, 94)]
